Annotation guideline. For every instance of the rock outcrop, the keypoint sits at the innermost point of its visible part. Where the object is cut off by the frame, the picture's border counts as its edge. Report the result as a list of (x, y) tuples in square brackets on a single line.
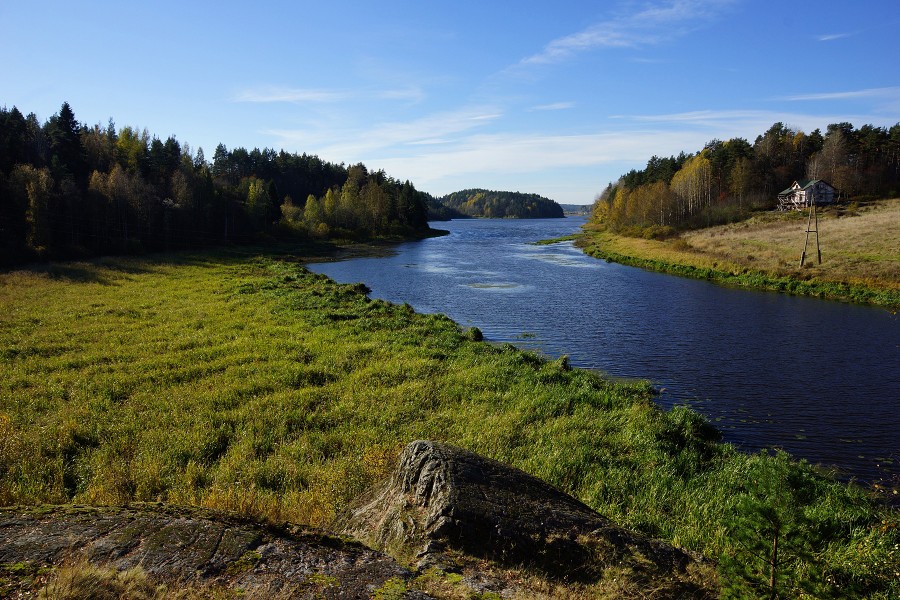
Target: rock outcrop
[(443, 498), (447, 517), (188, 546)]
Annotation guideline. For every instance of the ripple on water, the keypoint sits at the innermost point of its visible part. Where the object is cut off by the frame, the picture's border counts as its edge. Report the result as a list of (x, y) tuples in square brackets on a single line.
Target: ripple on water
[(561, 260), (434, 268), (498, 286)]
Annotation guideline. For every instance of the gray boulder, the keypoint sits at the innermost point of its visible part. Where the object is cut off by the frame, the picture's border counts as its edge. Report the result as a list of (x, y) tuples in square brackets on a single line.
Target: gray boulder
[(444, 501)]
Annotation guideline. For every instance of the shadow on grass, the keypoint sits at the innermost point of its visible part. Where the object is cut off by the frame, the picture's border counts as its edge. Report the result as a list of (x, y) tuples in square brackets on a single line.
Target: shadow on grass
[(104, 269)]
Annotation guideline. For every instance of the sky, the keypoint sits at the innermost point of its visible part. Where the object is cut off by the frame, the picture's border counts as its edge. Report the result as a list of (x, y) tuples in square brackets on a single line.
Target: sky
[(555, 98)]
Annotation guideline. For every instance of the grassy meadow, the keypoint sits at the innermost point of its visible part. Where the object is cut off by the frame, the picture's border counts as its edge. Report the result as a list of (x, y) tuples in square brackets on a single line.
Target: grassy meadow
[(244, 382), (859, 244)]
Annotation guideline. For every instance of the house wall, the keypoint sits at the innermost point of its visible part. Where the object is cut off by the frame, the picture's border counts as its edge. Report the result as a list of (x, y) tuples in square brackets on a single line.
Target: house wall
[(822, 192)]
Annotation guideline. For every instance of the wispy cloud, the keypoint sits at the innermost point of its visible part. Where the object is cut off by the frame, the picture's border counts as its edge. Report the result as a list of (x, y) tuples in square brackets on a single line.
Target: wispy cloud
[(701, 117), (446, 151), (412, 93), (554, 106), (726, 124), (648, 61), (357, 144), (502, 161), (268, 94), (830, 37), (657, 22), (885, 92), (276, 94), (430, 142)]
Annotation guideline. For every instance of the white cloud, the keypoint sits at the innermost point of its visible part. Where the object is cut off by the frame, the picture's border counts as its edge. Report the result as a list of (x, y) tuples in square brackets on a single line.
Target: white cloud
[(567, 168), (829, 37), (453, 150), (272, 94), (412, 94), (524, 153), (472, 157), (554, 106), (726, 124), (268, 94), (648, 61), (652, 25), (357, 144), (430, 142), (885, 92), (700, 117)]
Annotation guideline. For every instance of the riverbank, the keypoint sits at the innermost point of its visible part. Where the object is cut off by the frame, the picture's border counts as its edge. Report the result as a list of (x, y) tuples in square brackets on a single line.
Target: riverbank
[(242, 382), (860, 255)]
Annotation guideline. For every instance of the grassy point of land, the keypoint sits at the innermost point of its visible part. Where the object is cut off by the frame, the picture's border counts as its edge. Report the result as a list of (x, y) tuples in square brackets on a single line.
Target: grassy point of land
[(242, 381), (563, 238), (860, 253)]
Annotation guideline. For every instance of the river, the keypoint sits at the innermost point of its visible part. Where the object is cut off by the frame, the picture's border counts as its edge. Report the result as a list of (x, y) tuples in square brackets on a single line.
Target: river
[(819, 379)]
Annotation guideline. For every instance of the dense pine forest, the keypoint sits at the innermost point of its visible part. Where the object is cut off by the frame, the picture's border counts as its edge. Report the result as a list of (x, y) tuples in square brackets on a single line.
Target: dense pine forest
[(500, 205), (71, 190), (724, 180)]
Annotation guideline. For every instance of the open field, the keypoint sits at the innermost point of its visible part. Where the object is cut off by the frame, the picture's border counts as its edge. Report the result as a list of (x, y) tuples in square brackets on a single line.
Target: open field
[(859, 246), (244, 382), (860, 253)]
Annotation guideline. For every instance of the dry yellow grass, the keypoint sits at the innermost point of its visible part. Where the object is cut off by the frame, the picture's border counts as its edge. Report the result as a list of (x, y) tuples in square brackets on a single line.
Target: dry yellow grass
[(860, 245)]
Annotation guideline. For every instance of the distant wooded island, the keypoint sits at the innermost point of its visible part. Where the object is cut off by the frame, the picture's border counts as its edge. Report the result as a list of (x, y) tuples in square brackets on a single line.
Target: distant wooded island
[(492, 204)]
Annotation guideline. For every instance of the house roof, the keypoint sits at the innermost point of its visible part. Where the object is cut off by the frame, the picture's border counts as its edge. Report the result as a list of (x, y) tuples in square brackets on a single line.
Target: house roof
[(802, 184)]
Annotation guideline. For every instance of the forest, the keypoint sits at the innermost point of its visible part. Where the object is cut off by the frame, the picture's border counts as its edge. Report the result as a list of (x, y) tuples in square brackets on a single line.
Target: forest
[(725, 180), (500, 205), (71, 190)]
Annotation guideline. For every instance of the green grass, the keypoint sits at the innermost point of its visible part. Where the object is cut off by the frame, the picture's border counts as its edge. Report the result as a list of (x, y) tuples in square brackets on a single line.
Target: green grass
[(247, 383), (556, 240)]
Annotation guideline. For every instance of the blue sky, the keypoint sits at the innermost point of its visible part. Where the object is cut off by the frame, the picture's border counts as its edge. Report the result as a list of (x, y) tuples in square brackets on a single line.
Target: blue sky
[(553, 98)]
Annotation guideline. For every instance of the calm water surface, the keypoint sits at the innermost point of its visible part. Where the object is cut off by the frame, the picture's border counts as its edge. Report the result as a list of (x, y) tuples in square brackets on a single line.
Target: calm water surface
[(819, 379)]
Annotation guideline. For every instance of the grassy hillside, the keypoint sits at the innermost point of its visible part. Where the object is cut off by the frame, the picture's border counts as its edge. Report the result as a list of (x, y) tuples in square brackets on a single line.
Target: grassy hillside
[(247, 383), (859, 245)]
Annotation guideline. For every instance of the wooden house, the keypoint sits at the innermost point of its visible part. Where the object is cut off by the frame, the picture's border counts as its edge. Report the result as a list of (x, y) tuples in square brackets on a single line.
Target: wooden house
[(806, 192)]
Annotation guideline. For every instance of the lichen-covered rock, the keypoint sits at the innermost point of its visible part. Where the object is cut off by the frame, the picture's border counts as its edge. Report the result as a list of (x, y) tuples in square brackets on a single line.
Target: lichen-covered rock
[(190, 545), (442, 497)]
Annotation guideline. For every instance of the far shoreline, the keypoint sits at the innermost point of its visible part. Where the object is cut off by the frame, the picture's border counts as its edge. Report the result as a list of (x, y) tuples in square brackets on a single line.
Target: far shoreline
[(679, 256)]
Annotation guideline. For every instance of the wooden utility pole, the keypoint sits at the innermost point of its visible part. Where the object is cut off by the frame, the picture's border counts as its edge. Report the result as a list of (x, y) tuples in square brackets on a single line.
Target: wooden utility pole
[(809, 221)]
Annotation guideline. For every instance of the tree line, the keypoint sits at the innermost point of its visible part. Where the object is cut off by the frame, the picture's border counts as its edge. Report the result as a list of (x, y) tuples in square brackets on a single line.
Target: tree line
[(500, 205), (726, 179), (71, 190)]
